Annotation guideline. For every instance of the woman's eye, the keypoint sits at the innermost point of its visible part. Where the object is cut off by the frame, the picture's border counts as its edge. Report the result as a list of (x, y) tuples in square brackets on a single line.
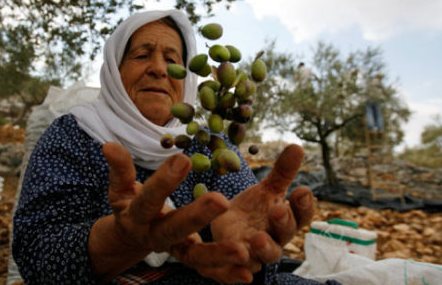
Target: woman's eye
[(141, 56), (170, 60)]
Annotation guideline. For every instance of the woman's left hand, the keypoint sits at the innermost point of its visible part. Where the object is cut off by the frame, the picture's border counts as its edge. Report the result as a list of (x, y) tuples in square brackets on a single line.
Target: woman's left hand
[(262, 218)]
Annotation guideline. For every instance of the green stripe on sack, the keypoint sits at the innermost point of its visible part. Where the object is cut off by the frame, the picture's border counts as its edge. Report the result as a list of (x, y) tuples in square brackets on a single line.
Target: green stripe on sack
[(342, 237)]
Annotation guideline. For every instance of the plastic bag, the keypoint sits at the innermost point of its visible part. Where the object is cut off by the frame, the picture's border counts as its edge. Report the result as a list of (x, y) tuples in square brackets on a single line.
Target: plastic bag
[(330, 256)]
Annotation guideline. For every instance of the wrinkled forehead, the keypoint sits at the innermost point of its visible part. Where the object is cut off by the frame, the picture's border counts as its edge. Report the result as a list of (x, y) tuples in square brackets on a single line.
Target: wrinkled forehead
[(166, 22)]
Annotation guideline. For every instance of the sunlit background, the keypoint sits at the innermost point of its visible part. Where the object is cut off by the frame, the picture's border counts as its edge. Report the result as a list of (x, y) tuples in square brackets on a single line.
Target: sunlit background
[(408, 32)]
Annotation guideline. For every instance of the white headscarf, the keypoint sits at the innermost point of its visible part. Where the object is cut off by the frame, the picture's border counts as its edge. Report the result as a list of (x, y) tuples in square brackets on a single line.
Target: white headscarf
[(114, 117)]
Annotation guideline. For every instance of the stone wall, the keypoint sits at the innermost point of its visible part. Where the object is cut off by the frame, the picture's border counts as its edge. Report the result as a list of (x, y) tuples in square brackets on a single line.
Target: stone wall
[(389, 173)]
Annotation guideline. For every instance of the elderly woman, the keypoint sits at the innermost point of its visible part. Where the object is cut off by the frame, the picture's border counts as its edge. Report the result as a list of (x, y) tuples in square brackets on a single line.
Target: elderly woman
[(102, 201)]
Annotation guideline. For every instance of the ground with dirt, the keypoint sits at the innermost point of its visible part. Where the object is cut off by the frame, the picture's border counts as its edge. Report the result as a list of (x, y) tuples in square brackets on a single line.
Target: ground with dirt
[(413, 234), (7, 200)]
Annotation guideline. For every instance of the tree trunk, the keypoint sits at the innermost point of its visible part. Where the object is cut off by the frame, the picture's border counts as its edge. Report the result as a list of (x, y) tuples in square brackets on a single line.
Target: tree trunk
[(337, 141), (22, 117), (331, 176)]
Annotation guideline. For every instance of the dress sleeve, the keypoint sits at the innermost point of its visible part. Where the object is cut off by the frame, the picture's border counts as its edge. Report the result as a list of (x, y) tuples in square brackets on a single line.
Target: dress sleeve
[(55, 213)]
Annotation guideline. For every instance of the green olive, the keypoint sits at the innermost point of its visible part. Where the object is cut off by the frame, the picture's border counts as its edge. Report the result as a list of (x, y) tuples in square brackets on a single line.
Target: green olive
[(198, 62), (199, 190), (235, 54), (200, 162), (216, 123), (203, 137), (183, 111), (219, 53), (176, 71), (215, 85), (226, 74), (183, 141), (259, 70), (208, 98), (212, 31), (192, 128)]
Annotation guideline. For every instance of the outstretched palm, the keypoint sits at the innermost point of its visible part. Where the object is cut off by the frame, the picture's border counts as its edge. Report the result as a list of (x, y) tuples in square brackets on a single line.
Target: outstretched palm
[(261, 217)]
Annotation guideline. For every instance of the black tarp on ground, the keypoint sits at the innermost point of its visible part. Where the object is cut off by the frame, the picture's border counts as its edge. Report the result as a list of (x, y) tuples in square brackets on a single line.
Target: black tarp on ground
[(353, 194)]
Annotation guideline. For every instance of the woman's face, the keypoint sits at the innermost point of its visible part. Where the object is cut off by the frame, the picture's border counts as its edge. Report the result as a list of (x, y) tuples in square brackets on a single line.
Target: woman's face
[(143, 71)]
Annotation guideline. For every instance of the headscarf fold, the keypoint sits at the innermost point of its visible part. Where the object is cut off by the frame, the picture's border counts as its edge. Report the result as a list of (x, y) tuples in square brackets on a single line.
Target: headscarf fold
[(114, 117)]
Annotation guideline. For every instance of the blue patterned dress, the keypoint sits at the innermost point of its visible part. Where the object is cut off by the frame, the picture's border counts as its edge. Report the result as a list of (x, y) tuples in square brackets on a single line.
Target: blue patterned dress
[(65, 191)]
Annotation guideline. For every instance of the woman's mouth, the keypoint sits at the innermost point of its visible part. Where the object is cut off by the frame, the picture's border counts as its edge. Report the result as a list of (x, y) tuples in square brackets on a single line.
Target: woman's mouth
[(155, 90)]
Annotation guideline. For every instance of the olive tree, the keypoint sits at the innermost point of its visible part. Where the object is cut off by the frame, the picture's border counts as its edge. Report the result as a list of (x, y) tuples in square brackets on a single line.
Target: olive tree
[(47, 42), (327, 94)]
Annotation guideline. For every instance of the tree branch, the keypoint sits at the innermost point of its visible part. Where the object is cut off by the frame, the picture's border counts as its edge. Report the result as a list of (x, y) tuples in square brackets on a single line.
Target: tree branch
[(341, 125)]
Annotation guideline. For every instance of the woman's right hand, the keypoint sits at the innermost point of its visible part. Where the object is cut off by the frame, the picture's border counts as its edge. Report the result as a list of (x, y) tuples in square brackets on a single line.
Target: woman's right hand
[(140, 225)]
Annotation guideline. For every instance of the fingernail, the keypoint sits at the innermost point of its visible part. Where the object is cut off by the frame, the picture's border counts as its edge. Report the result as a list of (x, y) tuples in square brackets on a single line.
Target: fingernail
[(178, 165), (267, 247), (305, 200), (216, 207)]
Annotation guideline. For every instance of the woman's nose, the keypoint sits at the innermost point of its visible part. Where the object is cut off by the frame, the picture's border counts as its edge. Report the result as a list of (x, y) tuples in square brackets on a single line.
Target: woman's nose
[(157, 67)]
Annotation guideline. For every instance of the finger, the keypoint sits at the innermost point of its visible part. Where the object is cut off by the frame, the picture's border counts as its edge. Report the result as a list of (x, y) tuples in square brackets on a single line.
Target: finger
[(285, 169), (254, 266), (194, 238), (138, 187), (214, 254), (282, 223), (121, 175), (227, 274), (264, 248), (121, 168), (178, 224), (158, 187), (301, 202)]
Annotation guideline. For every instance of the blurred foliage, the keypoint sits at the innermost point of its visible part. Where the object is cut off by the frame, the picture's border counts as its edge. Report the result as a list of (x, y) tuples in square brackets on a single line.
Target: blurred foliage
[(432, 134), (327, 95), (3, 121), (53, 38), (429, 154), (45, 41), (280, 68)]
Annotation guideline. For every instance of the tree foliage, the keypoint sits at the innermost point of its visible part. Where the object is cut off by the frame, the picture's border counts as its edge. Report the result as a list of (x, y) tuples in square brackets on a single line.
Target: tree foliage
[(327, 95), (44, 42), (432, 133), (51, 39), (429, 154), (280, 68)]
